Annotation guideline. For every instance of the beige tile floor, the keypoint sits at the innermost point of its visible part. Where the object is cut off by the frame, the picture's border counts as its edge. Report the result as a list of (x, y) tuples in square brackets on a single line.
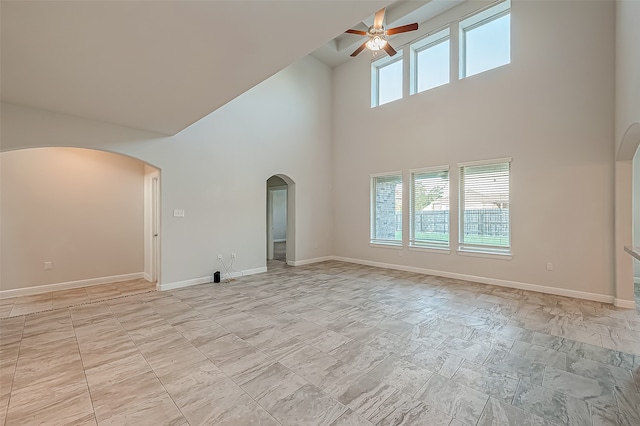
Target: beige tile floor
[(324, 344), (280, 251), (26, 305)]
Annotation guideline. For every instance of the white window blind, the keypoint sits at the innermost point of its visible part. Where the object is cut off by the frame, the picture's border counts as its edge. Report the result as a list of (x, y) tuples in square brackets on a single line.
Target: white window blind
[(429, 225), (386, 209), (484, 207)]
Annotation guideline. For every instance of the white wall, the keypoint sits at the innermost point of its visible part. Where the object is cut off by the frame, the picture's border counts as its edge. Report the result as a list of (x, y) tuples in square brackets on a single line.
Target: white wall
[(216, 169), (80, 209), (551, 110)]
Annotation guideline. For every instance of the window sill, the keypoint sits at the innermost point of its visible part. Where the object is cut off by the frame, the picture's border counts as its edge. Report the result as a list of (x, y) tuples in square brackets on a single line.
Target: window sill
[(430, 249), (485, 254), (386, 245)]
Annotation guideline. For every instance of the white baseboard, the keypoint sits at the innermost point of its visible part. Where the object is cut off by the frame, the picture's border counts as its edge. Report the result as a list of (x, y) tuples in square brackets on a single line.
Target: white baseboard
[(283, 240), (208, 279), (493, 281), (147, 277), (185, 283), (309, 261), (636, 280), (626, 304), (29, 291)]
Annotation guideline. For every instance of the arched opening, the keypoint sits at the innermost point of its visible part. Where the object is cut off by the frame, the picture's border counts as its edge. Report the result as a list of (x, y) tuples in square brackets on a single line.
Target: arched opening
[(625, 194), (280, 237), (76, 217)]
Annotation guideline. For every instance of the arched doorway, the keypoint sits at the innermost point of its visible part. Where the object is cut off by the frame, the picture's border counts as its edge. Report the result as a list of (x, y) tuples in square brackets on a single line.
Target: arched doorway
[(83, 216), (624, 223), (280, 237)]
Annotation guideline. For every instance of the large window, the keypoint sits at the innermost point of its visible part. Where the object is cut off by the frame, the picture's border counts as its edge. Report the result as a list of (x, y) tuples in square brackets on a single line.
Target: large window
[(430, 62), (485, 40), (386, 208), (484, 206), (386, 80), (429, 225)]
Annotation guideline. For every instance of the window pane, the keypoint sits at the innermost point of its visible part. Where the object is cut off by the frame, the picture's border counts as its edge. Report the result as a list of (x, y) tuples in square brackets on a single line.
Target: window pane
[(390, 82), (430, 205), (488, 45), (485, 196), (387, 204), (433, 66)]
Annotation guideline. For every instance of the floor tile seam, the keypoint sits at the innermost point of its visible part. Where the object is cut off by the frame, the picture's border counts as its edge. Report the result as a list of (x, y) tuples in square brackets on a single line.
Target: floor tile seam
[(84, 372), (221, 370), (486, 404), (14, 374), (258, 403), (236, 382), (527, 411), (81, 304), (415, 396), (150, 367)]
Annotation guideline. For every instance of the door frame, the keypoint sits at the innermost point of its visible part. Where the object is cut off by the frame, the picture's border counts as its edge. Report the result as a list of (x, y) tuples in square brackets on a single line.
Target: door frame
[(155, 229)]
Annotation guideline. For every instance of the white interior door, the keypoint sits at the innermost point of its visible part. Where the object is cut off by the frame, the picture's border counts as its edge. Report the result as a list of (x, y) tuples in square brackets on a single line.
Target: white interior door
[(270, 224), (155, 229)]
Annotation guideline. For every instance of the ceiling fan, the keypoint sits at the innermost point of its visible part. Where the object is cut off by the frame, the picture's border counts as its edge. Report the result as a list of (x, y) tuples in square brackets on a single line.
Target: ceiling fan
[(378, 35)]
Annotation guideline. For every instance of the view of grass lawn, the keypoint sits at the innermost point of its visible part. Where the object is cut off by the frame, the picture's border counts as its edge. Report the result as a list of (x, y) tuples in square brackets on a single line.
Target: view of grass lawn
[(487, 240)]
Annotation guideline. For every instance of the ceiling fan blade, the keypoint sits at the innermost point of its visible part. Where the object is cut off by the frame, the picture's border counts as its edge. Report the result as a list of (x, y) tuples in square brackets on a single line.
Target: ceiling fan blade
[(377, 20), (359, 49), (402, 29), (356, 32), (390, 50)]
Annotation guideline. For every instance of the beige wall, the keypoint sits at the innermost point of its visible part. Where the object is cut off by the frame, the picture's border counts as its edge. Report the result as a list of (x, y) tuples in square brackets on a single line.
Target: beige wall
[(216, 170), (627, 139), (627, 66), (636, 214), (80, 209), (551, 109)]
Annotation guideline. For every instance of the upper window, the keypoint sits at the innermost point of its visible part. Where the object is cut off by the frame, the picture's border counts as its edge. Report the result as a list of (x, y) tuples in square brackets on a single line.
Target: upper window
[(484, 206), (485, 40), (386, 80), (430, 62), (429, 225), (386, 208)]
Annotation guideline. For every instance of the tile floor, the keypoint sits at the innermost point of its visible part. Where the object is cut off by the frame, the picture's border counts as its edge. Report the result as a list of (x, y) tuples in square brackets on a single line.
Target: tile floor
[(324, 344), (280, 251), (25, 305)]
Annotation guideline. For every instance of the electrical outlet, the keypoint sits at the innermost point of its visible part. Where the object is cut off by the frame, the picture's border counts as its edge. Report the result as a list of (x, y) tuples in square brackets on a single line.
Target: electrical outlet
[(178, 213), (549, 266), (219, 257), (48, 265), (233, 255)]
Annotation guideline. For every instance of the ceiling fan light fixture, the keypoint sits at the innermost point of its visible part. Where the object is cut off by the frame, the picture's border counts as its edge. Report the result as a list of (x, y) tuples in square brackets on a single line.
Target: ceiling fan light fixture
[(376, 43)]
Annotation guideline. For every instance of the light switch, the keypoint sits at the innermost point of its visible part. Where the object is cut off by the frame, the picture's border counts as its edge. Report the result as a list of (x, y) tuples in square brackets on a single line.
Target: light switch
[(178, 213)]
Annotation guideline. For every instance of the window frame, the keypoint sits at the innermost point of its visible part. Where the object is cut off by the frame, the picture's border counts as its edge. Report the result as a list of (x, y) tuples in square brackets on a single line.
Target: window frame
[(484, 250), (372, 214), (477, 20), (421, 45), (413, 243), (376, 66)]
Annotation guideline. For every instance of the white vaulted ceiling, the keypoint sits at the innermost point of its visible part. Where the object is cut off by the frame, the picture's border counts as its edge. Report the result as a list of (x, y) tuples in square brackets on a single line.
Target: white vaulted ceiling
[(155, 65), (400, 12)]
